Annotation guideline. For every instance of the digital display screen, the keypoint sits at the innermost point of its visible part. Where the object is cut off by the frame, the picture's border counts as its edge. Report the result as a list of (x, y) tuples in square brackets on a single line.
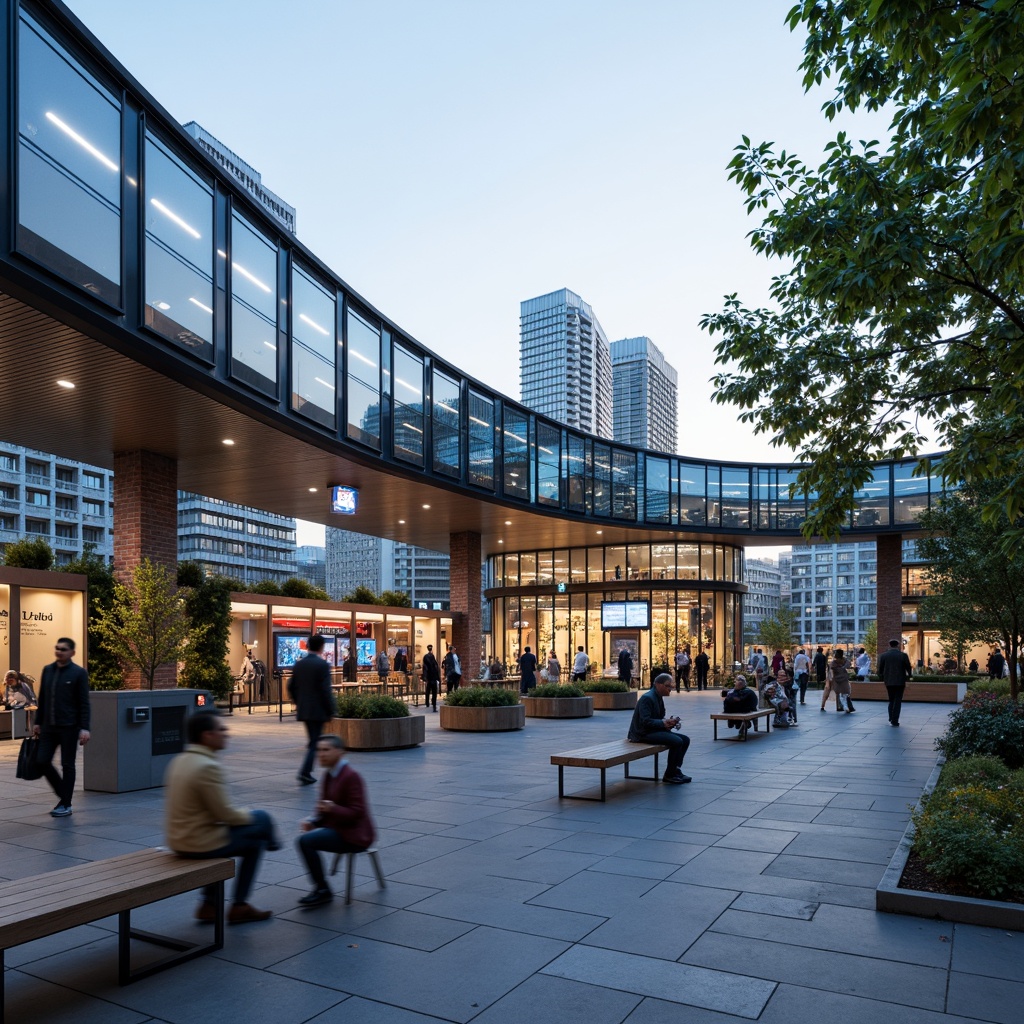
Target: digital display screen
[(625, 615), (344, 500)]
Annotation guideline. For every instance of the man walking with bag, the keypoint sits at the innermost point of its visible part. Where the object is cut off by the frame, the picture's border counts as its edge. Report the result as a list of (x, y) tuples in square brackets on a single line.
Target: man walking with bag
[(62, 720)]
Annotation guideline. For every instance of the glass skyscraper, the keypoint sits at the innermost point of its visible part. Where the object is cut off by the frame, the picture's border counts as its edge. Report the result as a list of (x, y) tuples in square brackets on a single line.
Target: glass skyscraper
[(645, 389), (565, 367)]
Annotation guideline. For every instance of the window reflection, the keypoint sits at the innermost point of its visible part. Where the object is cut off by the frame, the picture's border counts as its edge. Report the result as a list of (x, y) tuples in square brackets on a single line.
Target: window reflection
[(69, 161), (363, 386), (179, 251), (446, 445), (516, 446), (548, 458), (253, 307), (407, 395), (481, 440), (313, 349)]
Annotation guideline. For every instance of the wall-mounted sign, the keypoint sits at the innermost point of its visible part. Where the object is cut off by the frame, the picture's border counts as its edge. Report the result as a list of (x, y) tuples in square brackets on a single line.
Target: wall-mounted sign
[(344, 500)]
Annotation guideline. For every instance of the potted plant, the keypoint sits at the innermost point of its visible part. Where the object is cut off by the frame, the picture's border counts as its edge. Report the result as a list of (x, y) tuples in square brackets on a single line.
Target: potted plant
[(371, 721), (610, 695), (556, 701), (482, 709)]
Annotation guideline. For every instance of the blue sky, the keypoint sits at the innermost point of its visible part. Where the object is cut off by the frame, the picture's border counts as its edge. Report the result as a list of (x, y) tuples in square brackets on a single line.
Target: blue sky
[(450, 158)]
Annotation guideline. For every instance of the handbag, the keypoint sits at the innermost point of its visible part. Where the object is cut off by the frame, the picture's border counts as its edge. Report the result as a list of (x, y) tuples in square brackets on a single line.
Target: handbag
[(29, 767)]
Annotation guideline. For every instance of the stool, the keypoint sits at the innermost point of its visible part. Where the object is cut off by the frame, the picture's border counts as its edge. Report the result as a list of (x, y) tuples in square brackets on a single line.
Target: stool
[(374, 859)]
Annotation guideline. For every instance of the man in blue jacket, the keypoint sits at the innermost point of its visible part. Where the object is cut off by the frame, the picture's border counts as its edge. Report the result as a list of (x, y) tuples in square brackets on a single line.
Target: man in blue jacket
[(62, 720)]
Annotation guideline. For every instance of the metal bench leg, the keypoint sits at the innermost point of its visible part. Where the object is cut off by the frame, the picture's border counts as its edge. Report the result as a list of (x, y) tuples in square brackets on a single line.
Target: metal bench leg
[(714, 722), (184, 950)]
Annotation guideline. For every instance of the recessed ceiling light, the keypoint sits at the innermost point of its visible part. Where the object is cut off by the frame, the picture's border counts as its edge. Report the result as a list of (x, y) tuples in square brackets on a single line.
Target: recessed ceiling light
[(227, 441), (401, 522), (66, 384), (600, 532), (162, 305), (508, 522), (501, 542), (426, 506), (312, 490)]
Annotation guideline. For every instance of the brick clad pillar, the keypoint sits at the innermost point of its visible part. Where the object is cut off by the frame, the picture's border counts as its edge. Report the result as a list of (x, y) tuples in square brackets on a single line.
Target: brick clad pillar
[(889, 588), (146, 526), (466, 581)]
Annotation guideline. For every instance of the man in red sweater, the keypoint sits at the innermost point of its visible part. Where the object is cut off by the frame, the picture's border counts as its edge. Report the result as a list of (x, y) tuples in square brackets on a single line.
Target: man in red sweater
[(340, 822)]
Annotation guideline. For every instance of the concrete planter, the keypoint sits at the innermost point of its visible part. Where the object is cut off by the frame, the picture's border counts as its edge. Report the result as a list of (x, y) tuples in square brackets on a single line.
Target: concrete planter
[(614, 701), (378, 733), (558, 707), (890, 898), (498, 719)]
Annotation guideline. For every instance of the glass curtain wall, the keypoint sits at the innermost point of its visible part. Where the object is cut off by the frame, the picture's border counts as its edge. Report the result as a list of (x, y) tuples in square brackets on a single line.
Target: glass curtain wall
[(363, 379), (253, 306), (313, 349)]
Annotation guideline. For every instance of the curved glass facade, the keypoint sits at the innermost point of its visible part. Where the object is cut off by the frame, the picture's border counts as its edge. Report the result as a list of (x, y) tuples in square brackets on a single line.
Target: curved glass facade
[(551, 599)]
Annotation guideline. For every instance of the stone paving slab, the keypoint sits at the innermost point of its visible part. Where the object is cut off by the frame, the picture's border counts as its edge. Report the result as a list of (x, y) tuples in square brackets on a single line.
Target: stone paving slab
[(678, 983)]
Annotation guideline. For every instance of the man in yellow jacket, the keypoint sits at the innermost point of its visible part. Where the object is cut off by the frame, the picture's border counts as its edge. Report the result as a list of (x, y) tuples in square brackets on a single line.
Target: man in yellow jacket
[(201, 822)]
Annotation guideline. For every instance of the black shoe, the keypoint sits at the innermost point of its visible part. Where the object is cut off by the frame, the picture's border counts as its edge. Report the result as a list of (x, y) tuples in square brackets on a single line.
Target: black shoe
[(678, 780), (306, 780), (895, 724), (273, 846), (317, 898)]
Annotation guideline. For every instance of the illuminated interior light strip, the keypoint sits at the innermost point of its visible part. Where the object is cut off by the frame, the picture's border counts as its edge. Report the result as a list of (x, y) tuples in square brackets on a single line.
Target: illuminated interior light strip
[(482, 423), (250, 277), (508, 433), (270, 345), (202, 306), (326, 384), (411, 427), (84, 143), (362, 358), (184, 225), (443, 405), (411, 387), (312, 323)]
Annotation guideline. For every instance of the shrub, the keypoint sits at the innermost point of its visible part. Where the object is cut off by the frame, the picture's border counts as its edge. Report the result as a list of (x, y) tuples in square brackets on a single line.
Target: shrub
[(1000, 687), (370, 705), (985, 724), (605, 686), (974, 835), (556, 690), (974, 771), (481, 697)]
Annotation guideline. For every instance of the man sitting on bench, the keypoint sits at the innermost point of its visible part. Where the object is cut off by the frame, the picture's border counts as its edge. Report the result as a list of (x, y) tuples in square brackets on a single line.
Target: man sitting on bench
[(650, 725), (775, 695), (739, 701)]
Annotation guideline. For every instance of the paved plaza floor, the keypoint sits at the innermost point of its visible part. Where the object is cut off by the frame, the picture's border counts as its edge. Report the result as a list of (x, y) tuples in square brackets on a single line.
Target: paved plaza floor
[(747, 895)]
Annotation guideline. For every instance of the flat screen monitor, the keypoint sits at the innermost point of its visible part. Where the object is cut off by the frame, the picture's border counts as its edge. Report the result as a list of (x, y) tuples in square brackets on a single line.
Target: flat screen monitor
[(290, 647), (366, 652), (625, 614)]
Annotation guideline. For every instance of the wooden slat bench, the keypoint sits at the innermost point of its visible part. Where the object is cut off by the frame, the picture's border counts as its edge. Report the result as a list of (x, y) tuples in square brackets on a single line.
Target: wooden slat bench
[(32, 908), (747, 716), (605, 756)]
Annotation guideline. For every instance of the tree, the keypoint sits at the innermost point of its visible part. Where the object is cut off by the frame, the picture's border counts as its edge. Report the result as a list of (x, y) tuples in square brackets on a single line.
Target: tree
[(361, 595), (29, 554), (870, 641), (777, 631), (977, 593), (207, 600), (394, 598), (295, 587), (147, 624), (900, 295), (104, 668)]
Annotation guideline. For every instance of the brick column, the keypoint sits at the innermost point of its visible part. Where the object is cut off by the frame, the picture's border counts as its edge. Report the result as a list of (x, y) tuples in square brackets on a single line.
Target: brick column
[(889, 588), (146, 526), (466, 581)]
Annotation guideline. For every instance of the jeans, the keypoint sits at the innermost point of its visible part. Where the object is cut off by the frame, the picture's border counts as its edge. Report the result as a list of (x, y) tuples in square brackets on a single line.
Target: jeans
[(677, 745), (313, 731), (50, 738), (801, 682), (247, 842), (309, 843)]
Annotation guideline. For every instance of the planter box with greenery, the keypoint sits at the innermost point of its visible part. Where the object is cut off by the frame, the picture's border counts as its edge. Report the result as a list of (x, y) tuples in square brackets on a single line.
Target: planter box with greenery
[(552, 700), (482, 709), (962, 856), (375, 722), (610, 695)]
